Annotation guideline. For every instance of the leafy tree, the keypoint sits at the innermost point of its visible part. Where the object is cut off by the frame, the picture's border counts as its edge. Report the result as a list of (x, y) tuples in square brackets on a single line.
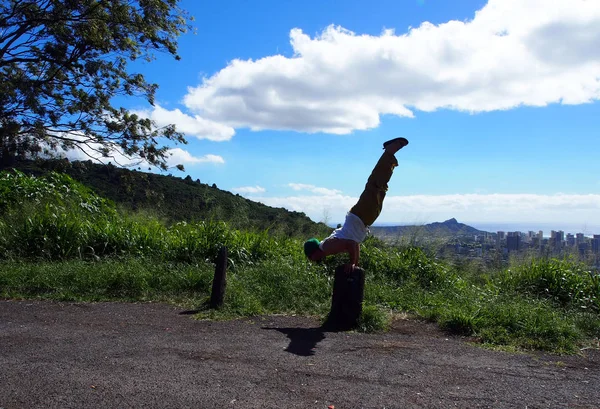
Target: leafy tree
[(63, 63)]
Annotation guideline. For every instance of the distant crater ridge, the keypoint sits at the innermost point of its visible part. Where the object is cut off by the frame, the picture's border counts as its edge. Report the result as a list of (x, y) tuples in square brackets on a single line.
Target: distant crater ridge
[(448, 229)]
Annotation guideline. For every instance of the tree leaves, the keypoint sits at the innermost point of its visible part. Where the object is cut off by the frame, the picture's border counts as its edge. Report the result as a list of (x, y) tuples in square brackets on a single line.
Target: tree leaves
[(63, 62)]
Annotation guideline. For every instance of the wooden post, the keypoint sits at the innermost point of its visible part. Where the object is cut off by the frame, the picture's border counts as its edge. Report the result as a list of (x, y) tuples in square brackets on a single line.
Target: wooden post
[(220, 279), (347, 298)]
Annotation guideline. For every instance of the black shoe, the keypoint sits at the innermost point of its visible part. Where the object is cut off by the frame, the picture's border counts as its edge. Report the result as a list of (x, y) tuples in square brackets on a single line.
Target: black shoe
[(403, 140)]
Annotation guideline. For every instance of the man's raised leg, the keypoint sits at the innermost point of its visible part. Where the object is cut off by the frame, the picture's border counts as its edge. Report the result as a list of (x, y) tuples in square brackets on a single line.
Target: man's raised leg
[(370, 203)]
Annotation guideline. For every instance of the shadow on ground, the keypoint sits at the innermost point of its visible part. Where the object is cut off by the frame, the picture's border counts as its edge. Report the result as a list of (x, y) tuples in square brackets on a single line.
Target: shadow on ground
[(190, 312), (303, 341)]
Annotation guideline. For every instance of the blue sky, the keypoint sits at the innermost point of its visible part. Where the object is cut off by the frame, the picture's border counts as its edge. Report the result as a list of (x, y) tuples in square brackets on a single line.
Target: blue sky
[(288, 102)]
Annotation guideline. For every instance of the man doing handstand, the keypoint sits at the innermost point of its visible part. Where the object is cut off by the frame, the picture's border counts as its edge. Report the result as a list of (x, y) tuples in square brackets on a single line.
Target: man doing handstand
[(347, 238)]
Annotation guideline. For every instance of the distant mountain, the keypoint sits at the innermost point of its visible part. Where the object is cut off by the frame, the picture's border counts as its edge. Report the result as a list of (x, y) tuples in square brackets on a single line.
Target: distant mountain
[(174, 199), (448, 229)]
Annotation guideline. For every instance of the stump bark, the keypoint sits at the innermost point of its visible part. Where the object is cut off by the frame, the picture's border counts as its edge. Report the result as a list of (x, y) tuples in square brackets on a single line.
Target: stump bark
[(347, 299), (220, 279)]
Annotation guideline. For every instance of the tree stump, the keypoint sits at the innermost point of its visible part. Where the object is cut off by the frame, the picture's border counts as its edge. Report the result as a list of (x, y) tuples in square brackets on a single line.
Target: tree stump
[(347, 298), (219, 281)]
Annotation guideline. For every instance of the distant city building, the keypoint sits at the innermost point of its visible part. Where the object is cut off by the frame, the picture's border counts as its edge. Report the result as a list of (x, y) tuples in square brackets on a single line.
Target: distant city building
[(556, 239), (596, 244), (480, 238), (530, 236), (513, 241), (501, 246), (500, 238)]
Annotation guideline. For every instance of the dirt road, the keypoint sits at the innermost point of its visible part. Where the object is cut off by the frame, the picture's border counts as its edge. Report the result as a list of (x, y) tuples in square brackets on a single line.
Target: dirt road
[(114, 355)]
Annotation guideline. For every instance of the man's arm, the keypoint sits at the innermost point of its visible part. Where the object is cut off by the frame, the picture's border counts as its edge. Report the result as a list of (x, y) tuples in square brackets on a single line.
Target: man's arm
[(335, 246), (353, 252)]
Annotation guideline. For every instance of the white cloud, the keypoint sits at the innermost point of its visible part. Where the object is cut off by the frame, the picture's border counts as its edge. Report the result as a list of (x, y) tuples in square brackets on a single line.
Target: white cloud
[(314, 189), (175, 156), (180, 156), (189, 125), (249, 189), (512, 53), (483, 208)]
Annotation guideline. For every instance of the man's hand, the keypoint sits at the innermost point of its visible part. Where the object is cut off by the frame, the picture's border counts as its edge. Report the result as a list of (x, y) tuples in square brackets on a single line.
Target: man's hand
[(349, 268)]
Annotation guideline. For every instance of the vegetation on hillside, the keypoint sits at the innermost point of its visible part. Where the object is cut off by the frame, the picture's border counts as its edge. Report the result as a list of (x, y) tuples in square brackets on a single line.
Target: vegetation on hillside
[(172, 199), (59, 240)]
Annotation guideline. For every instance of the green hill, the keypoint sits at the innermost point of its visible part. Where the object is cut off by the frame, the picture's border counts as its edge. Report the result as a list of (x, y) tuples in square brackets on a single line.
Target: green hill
[(175, 199)]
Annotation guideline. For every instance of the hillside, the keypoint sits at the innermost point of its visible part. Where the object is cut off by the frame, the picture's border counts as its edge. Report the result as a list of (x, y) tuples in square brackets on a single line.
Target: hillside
[(175, 199), (447, 229)]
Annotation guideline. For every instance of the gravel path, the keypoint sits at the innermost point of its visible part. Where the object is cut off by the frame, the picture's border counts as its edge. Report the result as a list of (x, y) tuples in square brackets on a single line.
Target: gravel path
[(115, 355)]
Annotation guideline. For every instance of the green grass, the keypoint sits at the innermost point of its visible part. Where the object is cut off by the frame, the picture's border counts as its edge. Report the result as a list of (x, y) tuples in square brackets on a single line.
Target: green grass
[(374, 319), (566, 282), (60, 241), (109, 280)]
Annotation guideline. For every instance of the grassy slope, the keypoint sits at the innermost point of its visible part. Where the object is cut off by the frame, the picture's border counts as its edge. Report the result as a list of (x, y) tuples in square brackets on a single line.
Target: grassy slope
[(175, 199), (58, 240)]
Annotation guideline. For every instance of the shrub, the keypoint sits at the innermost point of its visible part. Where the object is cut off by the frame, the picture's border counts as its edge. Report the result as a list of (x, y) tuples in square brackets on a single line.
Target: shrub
[(531, 324), (373, 319), (565, 282), (55, 190)]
